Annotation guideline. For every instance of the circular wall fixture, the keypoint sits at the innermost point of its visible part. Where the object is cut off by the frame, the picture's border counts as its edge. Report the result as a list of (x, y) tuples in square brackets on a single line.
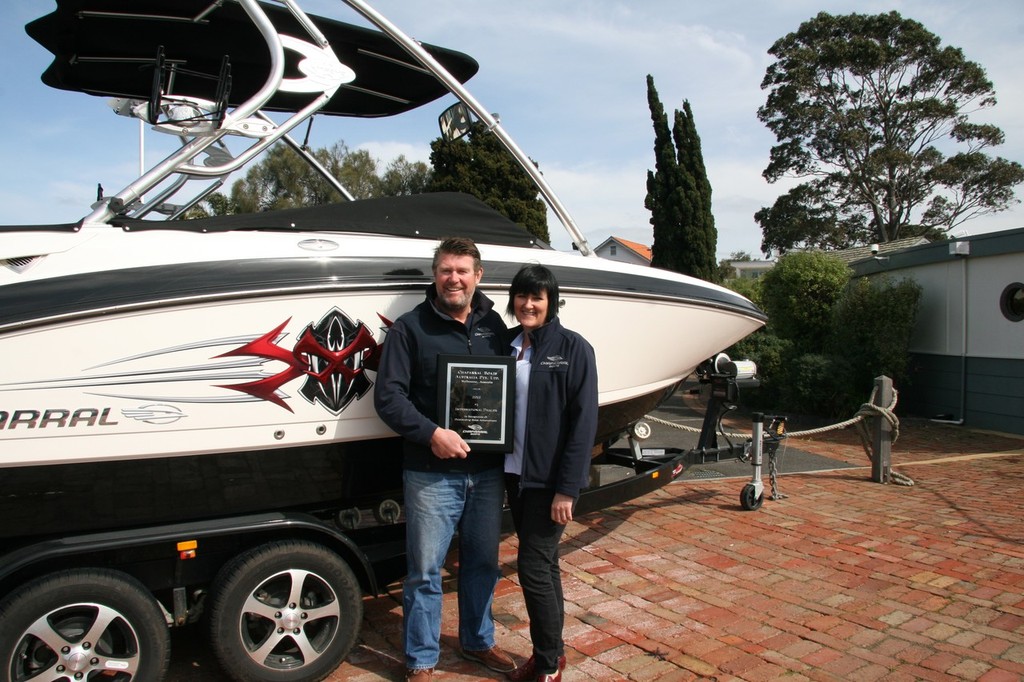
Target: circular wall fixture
[(1011, 302)]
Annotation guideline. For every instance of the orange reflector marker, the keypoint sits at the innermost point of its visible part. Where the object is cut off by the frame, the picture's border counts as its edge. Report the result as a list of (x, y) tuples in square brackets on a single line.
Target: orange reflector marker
[(655, 474), (187, 549)]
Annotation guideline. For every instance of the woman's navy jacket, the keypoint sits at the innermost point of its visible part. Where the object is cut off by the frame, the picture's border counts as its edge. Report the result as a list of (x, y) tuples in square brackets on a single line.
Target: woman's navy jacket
[(561, 413)]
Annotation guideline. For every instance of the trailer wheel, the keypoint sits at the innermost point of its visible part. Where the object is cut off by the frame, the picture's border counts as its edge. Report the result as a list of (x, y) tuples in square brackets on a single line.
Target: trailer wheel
[(284, 612), (749, 499), (83, 624), (641, 430)]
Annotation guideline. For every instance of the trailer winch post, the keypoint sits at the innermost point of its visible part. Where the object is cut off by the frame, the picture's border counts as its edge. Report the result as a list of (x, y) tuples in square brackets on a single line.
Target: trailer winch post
[(752, 494), (723, 378), (756, 454)]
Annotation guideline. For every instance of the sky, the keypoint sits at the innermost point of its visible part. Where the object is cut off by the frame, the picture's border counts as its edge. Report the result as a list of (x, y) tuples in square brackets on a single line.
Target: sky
[(567, 79)]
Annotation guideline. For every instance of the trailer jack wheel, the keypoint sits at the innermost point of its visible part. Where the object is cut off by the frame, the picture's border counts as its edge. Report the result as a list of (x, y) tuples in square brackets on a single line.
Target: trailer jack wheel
[(751, 498), (641, 430)]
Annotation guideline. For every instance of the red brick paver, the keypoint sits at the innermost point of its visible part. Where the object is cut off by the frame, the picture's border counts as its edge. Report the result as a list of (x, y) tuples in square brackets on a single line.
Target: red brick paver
[(841, 579)]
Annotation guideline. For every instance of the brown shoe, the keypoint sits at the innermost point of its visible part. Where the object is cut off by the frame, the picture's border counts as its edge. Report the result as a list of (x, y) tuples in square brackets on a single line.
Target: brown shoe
[(419, 674), (528, 670), (493, 658)]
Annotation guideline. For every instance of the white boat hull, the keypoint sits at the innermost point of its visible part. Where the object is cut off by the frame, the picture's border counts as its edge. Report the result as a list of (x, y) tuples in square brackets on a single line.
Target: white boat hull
[(129, 376)]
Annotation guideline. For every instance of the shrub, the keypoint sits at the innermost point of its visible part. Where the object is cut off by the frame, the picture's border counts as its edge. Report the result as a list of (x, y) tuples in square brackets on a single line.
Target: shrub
[(799, 293), (747, 287), (819, 384), (769, 353), (827, 337), (871, 326)]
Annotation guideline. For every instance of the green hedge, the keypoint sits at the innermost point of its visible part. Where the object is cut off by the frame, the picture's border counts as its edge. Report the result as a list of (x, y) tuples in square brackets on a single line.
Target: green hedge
[(828, 336)]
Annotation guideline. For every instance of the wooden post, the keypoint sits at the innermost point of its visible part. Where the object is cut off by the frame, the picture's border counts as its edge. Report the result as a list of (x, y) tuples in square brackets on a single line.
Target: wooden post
[(881, 439)]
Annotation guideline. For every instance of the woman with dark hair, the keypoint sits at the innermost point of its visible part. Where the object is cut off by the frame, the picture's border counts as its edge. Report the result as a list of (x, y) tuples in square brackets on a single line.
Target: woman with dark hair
[(555, 426)]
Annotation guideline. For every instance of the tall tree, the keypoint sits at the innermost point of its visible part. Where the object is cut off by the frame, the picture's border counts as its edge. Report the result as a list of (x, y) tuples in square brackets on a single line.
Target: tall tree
[(679, 195), (284, 180), (866, 109), (402, 177), (479, 164)]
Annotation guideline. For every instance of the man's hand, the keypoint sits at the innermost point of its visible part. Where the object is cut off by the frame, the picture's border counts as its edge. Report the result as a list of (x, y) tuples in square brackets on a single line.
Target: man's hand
[(561, 509), (446, 444)]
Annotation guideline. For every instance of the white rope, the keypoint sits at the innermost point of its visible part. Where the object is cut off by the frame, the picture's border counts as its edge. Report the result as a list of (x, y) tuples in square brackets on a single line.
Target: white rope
[(868, 409)]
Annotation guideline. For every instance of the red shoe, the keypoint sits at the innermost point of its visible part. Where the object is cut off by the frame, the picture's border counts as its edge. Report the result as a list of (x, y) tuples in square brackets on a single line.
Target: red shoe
[(528, 670), (553, 677)]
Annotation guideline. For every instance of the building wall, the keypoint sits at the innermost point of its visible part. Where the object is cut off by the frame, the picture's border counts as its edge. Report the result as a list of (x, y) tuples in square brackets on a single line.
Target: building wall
[(990, 333), (751, 269), (992, 397), (967, 358), (940, 325)]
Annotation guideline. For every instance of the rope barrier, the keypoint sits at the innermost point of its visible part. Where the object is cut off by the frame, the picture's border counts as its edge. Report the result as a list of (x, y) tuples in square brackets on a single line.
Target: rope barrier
[(867, 410)]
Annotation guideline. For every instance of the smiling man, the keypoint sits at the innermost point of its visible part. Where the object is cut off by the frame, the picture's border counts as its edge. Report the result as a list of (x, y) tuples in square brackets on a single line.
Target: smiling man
[(448, 487)]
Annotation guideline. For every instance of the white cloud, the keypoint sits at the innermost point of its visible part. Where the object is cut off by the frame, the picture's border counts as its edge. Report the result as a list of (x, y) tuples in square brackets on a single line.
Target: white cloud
[(568, 80), (604, 201), (386, 151)]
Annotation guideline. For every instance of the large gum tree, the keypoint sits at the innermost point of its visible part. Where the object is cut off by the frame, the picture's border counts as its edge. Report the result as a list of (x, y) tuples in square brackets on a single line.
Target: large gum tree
[(871, 113)]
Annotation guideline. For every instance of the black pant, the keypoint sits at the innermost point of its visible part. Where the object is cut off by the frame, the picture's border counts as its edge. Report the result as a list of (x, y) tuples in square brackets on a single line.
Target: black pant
[(539, 574)]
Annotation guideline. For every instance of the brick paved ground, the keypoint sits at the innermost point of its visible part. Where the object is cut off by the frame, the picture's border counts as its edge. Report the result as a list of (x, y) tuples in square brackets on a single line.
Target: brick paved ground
[(841, 579)]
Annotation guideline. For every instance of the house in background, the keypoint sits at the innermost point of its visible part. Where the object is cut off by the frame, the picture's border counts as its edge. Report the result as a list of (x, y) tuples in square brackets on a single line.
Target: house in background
[(967, 350), (615, 248), (749, 269)]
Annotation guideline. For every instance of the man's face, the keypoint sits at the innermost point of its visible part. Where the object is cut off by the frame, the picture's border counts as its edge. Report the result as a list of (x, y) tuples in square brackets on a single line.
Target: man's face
[(455, 281)]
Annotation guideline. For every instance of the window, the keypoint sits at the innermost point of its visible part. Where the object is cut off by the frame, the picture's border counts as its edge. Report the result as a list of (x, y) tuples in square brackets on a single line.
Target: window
[(1012, 302), (612, 250)]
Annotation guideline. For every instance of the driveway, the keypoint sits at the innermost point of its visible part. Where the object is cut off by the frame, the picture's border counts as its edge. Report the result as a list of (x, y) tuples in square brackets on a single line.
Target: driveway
[(839, 578)]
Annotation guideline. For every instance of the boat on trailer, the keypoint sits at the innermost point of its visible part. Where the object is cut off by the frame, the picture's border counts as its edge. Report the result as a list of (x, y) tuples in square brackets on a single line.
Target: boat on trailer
[(206, 385)]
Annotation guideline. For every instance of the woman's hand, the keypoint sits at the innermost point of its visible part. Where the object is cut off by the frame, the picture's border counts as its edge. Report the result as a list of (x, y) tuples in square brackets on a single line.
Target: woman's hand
[(561, 509)]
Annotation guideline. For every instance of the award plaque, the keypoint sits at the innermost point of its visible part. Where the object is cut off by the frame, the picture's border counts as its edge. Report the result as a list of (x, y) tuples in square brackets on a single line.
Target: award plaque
[(475, 397)]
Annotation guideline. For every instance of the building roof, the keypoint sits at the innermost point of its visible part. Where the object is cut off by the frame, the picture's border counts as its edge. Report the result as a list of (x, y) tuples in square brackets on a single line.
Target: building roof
[(637, 248), (975, 246), (861, 253)]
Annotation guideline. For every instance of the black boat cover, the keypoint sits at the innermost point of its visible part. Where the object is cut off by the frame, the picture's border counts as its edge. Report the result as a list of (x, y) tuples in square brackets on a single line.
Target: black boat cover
[(109, 48), (422, 216)]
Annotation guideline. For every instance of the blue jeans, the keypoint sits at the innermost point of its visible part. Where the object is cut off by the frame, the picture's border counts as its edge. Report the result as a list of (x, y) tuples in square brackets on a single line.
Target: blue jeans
[(436, 506)]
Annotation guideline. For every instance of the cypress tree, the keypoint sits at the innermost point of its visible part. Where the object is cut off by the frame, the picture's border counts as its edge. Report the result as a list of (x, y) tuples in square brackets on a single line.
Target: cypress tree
[(679, 195)]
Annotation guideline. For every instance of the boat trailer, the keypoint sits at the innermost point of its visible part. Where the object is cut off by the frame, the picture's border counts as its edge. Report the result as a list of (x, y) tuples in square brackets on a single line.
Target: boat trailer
[(723, 378)]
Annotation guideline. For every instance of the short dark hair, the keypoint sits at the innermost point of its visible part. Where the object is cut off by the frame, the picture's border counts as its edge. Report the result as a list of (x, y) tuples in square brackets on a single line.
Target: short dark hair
[(534, 278), (457, 246)]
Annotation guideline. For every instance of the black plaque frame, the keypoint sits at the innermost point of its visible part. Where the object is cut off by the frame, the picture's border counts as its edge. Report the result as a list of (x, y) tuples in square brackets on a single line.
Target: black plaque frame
[(476, 399)]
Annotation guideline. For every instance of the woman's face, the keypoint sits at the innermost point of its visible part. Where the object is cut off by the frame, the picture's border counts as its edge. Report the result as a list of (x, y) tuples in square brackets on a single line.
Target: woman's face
[(531, 309)]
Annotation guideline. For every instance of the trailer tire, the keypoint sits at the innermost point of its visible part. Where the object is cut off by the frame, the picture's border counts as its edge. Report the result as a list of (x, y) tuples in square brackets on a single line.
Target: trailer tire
[(283, 612), (107, 624)]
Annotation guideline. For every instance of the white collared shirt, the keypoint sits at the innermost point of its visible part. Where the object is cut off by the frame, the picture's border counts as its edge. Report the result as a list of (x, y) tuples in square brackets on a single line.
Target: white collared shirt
[(514, 459)]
